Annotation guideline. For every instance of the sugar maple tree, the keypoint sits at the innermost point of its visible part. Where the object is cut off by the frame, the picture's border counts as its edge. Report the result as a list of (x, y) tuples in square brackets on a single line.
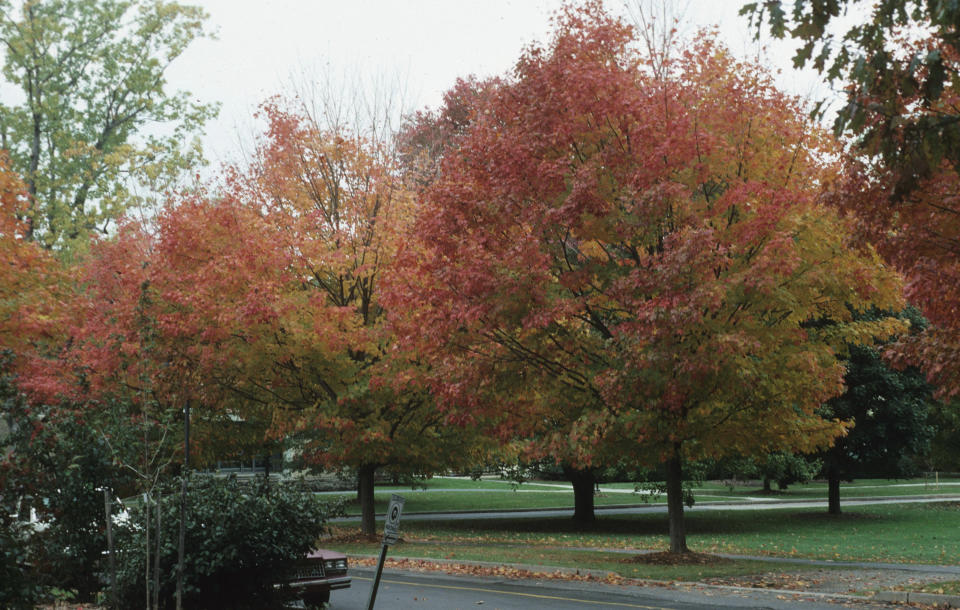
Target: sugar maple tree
[(426, 134), (269, 294), (339, 210), (615, 264), (260, 307)]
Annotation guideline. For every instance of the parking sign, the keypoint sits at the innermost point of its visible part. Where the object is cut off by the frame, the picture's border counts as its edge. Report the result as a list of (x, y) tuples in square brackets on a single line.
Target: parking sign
[(391, 529)]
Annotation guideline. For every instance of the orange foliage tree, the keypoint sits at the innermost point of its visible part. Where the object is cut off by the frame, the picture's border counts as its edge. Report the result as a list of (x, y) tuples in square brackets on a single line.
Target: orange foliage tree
[(29, 278), (339, 210), (617, 264)]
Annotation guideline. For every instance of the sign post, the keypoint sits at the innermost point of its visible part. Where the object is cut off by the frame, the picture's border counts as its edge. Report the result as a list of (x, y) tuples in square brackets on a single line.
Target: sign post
[(391, 532)]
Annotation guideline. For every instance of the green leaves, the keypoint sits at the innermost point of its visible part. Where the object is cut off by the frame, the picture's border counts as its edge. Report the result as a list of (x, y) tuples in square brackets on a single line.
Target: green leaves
[(242, 538), (93, 81)]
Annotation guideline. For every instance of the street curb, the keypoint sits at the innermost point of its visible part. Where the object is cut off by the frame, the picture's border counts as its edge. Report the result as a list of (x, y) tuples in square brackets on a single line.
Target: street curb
[(914, 597)]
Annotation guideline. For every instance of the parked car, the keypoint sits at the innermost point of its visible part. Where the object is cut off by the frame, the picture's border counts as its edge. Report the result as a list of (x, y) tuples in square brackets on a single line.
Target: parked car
[(314, 577)]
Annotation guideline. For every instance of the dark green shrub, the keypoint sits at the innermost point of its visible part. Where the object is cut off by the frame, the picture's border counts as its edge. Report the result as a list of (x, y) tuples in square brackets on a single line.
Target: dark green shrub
[(18, 587), (52, 460), (240, 540)]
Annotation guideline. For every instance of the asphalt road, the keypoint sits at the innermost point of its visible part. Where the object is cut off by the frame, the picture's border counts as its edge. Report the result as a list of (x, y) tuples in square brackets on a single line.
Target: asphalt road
[(402, 590)]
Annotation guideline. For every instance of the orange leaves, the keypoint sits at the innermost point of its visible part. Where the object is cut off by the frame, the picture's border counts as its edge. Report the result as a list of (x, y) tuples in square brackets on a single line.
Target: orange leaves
[(617, 249), (32, 283)]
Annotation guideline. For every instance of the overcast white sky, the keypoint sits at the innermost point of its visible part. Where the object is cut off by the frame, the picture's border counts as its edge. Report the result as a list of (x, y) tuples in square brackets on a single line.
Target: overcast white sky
[(422, 46)]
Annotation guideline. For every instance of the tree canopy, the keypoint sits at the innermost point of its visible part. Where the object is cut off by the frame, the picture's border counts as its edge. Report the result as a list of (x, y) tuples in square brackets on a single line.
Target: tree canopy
[(638, 257), (96, 131), (897, 65)]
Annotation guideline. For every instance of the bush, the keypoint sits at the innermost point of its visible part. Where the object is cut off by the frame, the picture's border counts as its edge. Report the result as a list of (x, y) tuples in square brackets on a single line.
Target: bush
[(18, 587), (54, 462), (240, 540)]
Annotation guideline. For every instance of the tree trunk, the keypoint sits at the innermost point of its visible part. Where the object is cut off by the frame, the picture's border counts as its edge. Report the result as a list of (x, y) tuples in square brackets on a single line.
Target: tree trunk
[(833, 490), (678, 534), (183, 505), (766, 484), (365, 488), (583, 488)]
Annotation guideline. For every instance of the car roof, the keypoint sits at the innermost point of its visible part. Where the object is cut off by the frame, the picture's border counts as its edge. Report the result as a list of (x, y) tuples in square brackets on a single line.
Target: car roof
[(325, 554)]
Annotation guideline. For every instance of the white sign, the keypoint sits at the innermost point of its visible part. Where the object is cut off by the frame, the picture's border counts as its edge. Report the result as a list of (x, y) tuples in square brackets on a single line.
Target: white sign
[(391, 529)]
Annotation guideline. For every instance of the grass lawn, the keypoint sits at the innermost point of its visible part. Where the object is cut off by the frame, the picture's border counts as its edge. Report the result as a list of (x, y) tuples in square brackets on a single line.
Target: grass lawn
[(910, 533), (456, 494), (606, 562), (951, 587)]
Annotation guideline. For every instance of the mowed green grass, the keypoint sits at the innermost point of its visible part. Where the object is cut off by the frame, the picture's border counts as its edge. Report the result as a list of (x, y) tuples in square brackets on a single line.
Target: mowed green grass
[(902, 533), (461, 494), (909, 533)]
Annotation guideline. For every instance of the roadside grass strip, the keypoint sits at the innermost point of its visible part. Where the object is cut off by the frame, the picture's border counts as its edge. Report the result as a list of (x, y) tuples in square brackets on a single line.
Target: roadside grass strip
[(901, 533), (950, 587), (569, 560)]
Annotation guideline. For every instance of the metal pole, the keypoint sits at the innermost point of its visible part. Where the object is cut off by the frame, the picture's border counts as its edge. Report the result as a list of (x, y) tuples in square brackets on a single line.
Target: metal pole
[(376, 579)]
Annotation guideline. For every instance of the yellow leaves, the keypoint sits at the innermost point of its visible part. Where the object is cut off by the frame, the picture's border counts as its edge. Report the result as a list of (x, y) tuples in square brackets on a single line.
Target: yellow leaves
[(862, 332), (593, 249)]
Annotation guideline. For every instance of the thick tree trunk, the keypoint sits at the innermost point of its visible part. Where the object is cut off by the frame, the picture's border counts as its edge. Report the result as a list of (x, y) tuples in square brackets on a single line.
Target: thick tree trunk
[(766, 484), (583, 488), (833, 490), (678, 534), (365, 491)]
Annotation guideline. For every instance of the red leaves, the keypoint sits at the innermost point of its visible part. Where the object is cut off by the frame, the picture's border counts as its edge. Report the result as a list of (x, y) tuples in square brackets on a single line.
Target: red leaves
[(607, 248), (917, 234)]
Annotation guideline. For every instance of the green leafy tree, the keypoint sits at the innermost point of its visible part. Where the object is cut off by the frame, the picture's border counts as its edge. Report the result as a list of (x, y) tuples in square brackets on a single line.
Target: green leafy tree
[(55, 465), (18, 586), (896, 63), (96, 129), (890, 410), (945, 418)]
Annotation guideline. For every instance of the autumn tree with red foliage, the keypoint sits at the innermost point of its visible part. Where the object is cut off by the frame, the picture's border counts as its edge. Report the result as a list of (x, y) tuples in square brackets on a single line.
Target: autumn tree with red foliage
[(427, 134), (917, 231), (614, 265), (260, 307), (29, 277)]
